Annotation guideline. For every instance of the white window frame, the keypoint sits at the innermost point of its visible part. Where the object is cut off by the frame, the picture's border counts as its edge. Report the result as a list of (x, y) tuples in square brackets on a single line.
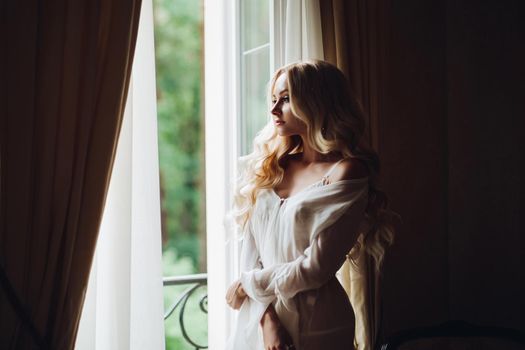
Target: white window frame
[(221, 144), (222, 147)]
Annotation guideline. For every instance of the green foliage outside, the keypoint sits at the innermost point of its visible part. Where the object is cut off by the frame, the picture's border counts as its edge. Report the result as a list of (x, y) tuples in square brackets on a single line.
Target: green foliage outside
[(178, 53)]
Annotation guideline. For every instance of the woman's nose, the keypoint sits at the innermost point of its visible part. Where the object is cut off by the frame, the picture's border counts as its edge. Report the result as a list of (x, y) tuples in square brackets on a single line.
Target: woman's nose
[(276, 109)]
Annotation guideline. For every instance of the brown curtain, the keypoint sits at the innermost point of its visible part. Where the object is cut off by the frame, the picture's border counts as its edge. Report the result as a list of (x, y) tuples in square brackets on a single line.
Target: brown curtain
[(65, 69), (450, 139), (452, 153), (353, 40)]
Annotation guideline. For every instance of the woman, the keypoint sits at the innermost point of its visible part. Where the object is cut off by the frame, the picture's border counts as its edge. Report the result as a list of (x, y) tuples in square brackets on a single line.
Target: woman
[(306, 193)]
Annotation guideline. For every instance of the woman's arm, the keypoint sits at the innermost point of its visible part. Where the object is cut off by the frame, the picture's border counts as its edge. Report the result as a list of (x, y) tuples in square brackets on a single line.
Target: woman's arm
[(275, 335), (319, 262), (249, 260)]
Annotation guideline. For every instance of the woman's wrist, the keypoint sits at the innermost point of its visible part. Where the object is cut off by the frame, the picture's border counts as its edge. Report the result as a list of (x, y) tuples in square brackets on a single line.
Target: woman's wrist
[(269, 316), (241, 292)]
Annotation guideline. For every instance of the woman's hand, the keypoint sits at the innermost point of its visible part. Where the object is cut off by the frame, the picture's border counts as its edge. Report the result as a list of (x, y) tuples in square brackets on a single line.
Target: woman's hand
[(275, 336), (235, 295)]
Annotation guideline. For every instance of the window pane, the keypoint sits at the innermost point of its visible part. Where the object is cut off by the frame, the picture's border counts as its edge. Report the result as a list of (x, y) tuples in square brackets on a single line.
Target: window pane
[(255, 29), (178, 51), (254, 108)]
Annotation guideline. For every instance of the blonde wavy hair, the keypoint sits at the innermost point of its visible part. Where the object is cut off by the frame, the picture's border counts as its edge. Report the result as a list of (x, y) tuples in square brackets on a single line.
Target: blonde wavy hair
[(322, 98)]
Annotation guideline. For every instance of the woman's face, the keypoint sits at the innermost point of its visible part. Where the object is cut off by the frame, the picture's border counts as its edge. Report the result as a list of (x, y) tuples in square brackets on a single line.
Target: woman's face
[(286, 122)]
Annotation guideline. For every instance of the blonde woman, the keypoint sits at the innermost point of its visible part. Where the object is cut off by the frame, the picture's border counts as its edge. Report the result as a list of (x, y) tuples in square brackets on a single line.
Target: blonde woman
[(306, 193)]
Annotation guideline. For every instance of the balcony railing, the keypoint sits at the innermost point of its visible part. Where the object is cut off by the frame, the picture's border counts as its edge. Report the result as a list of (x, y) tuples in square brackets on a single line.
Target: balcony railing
[(194, 282)]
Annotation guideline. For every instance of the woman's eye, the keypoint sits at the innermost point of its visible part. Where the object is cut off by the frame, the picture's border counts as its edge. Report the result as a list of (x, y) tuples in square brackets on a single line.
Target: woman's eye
[(282, 99)]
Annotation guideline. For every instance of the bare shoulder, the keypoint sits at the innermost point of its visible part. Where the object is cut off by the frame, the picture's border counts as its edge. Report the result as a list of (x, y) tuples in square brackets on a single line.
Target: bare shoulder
[(349, 169)]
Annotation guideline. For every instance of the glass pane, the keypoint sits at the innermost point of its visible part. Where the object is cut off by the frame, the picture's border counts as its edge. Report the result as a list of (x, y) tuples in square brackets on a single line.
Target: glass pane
[(254, 107), (255, 23), (179, 76)]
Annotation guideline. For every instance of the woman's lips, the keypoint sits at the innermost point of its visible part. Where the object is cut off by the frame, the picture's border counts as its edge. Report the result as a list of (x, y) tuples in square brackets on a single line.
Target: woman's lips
[(279, 122)]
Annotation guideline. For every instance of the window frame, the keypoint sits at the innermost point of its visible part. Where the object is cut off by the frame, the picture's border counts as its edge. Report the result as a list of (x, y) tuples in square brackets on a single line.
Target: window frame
[(221, 144), (222, 67)]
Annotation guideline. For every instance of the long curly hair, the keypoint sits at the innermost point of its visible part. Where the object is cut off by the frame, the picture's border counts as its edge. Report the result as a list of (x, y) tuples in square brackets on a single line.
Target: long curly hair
[(322, 98)]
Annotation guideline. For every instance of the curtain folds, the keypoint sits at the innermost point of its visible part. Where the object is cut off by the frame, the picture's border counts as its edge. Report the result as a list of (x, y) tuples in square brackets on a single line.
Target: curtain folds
[(303, 38), (127, 268), (65, 73), (353, 39)]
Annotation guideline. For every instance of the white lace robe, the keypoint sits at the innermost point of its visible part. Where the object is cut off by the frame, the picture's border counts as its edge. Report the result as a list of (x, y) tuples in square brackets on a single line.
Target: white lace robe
[(291, 251)]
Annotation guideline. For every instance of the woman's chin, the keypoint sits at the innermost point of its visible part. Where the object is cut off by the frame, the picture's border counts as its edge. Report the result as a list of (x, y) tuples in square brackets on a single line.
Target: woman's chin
[(285, 133)]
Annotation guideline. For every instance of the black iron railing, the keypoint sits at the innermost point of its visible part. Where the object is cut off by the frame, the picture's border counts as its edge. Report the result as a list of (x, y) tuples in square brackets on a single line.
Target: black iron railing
[(194, 282)]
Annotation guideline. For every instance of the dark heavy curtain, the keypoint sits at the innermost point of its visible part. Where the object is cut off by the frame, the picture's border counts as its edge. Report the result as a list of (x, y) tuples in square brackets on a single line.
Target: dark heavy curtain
[(65, 68), (444, 80), (353, 40)]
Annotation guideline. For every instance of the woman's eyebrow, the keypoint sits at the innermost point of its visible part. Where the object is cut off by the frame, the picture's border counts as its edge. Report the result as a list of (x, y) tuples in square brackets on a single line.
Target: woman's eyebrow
[(280, 93)]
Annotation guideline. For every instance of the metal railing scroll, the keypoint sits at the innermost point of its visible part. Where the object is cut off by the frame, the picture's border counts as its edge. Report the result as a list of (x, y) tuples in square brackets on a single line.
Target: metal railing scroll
[(195, 282)]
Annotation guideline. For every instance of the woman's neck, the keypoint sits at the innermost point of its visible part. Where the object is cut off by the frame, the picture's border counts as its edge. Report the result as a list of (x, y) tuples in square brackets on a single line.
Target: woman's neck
[(312, 156)]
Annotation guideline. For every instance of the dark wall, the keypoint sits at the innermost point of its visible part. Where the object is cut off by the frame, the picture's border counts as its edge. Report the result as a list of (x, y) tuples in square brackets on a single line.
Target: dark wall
[(452, 149)]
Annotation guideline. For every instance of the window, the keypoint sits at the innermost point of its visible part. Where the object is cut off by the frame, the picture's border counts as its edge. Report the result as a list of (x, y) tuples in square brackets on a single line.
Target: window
[(179, 68), (243, 45), (254, 69), (245, 40)]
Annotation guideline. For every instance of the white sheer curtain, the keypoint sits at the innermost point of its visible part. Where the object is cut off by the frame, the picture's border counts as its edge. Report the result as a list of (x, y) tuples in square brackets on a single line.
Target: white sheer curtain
[(300, 37), (124, 301)]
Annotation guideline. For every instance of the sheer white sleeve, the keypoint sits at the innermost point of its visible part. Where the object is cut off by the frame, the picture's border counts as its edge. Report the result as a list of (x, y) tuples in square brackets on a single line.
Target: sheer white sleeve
[(250, 263), (246, 334)]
